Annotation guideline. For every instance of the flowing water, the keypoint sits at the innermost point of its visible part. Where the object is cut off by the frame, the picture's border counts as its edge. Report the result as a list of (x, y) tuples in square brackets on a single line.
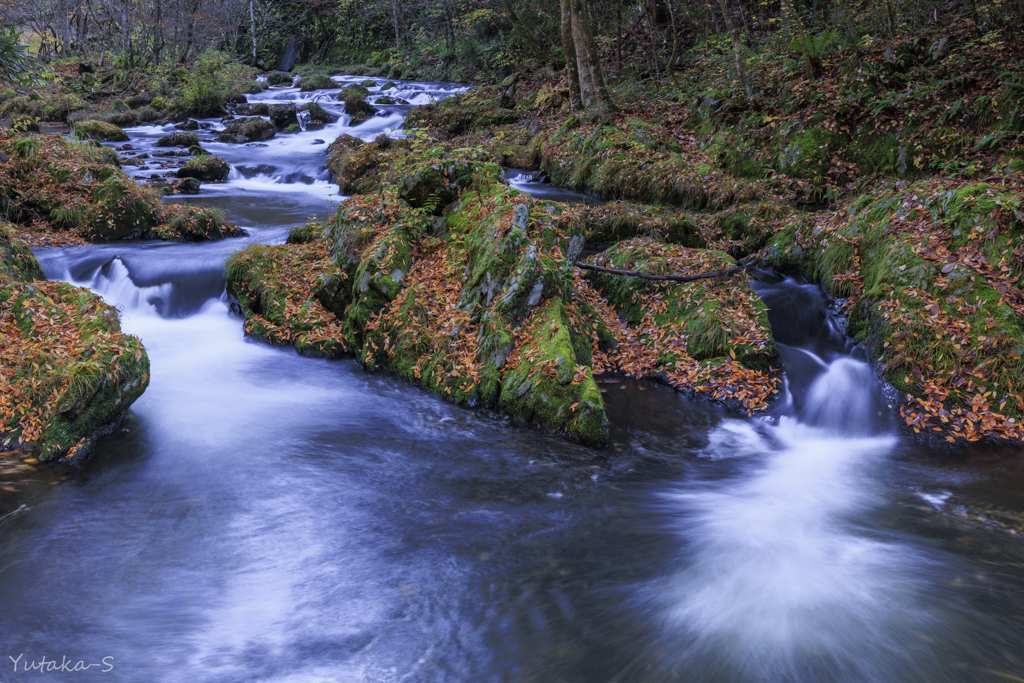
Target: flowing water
[(265, 516)]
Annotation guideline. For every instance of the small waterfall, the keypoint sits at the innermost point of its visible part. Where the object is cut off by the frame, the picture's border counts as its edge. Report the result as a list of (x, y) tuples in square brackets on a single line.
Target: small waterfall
[(147, 286), (779, 584)]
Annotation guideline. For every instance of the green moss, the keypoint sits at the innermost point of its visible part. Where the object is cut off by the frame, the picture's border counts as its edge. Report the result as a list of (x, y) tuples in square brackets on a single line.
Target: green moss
[(246, 130), (553, 398), (316, 82), (17, 262), (187, 140), (207, 168), (99, 130), (121, 210), (807, 153)]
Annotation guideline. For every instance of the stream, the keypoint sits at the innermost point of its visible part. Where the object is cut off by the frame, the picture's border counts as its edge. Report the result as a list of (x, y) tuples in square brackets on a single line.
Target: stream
[(265, 516)]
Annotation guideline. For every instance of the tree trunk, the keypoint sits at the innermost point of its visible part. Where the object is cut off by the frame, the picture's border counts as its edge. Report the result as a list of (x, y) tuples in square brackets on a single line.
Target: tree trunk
[(592, 65), (801, 35), (252, 30), (569, 46), (737, 48)]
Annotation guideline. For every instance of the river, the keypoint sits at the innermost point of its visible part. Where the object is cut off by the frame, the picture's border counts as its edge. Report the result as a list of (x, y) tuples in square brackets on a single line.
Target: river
[(265, 516)]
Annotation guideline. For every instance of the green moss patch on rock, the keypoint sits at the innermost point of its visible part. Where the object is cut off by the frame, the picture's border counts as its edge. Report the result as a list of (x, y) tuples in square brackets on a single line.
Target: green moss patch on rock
[(99, 130), (207, 168), (708, 337), (316, 82), (186, 140), (253, 129), (280, 78)]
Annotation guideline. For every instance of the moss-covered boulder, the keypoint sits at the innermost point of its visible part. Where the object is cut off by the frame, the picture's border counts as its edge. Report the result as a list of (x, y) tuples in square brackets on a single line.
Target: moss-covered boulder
[(316, 82), (434, 186), (68, 374), (280, 78), (355, 166), (356, 105), (709, 337), (317, 115), (207, 168), (196, 224), (283, 115), (178, 140), (253, 129), (120, 209), (99, 130)]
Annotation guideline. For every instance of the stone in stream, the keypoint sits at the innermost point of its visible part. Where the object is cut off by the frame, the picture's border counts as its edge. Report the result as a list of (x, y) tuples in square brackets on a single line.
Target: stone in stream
[(99, 130), (283, 115), (208, 168), (189, 186), (253, 128), (191, 124), (178, 140)]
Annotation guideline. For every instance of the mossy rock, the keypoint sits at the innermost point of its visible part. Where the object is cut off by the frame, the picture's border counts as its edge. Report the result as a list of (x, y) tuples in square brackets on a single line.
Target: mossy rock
[(124, 119), (76, 373), (17, 262), (356, 105), (178, 140), (316, 82), (438, 184), (282, 115), (253, 129), (121, 210), (100, 130), (317, 114), (280, 78), (198, 225), (544, 387), (206, 168)]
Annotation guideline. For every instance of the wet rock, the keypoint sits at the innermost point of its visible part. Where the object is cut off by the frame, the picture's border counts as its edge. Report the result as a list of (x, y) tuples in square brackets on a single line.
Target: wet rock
[(208, 168), (283, 115), (99, 130), (189, 186), (368, 83), (317, 114), (191, 124), (387, 86), (178, 140), (316, 82), (280, 78), (3, 158), (318, 141), (254, 128)]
